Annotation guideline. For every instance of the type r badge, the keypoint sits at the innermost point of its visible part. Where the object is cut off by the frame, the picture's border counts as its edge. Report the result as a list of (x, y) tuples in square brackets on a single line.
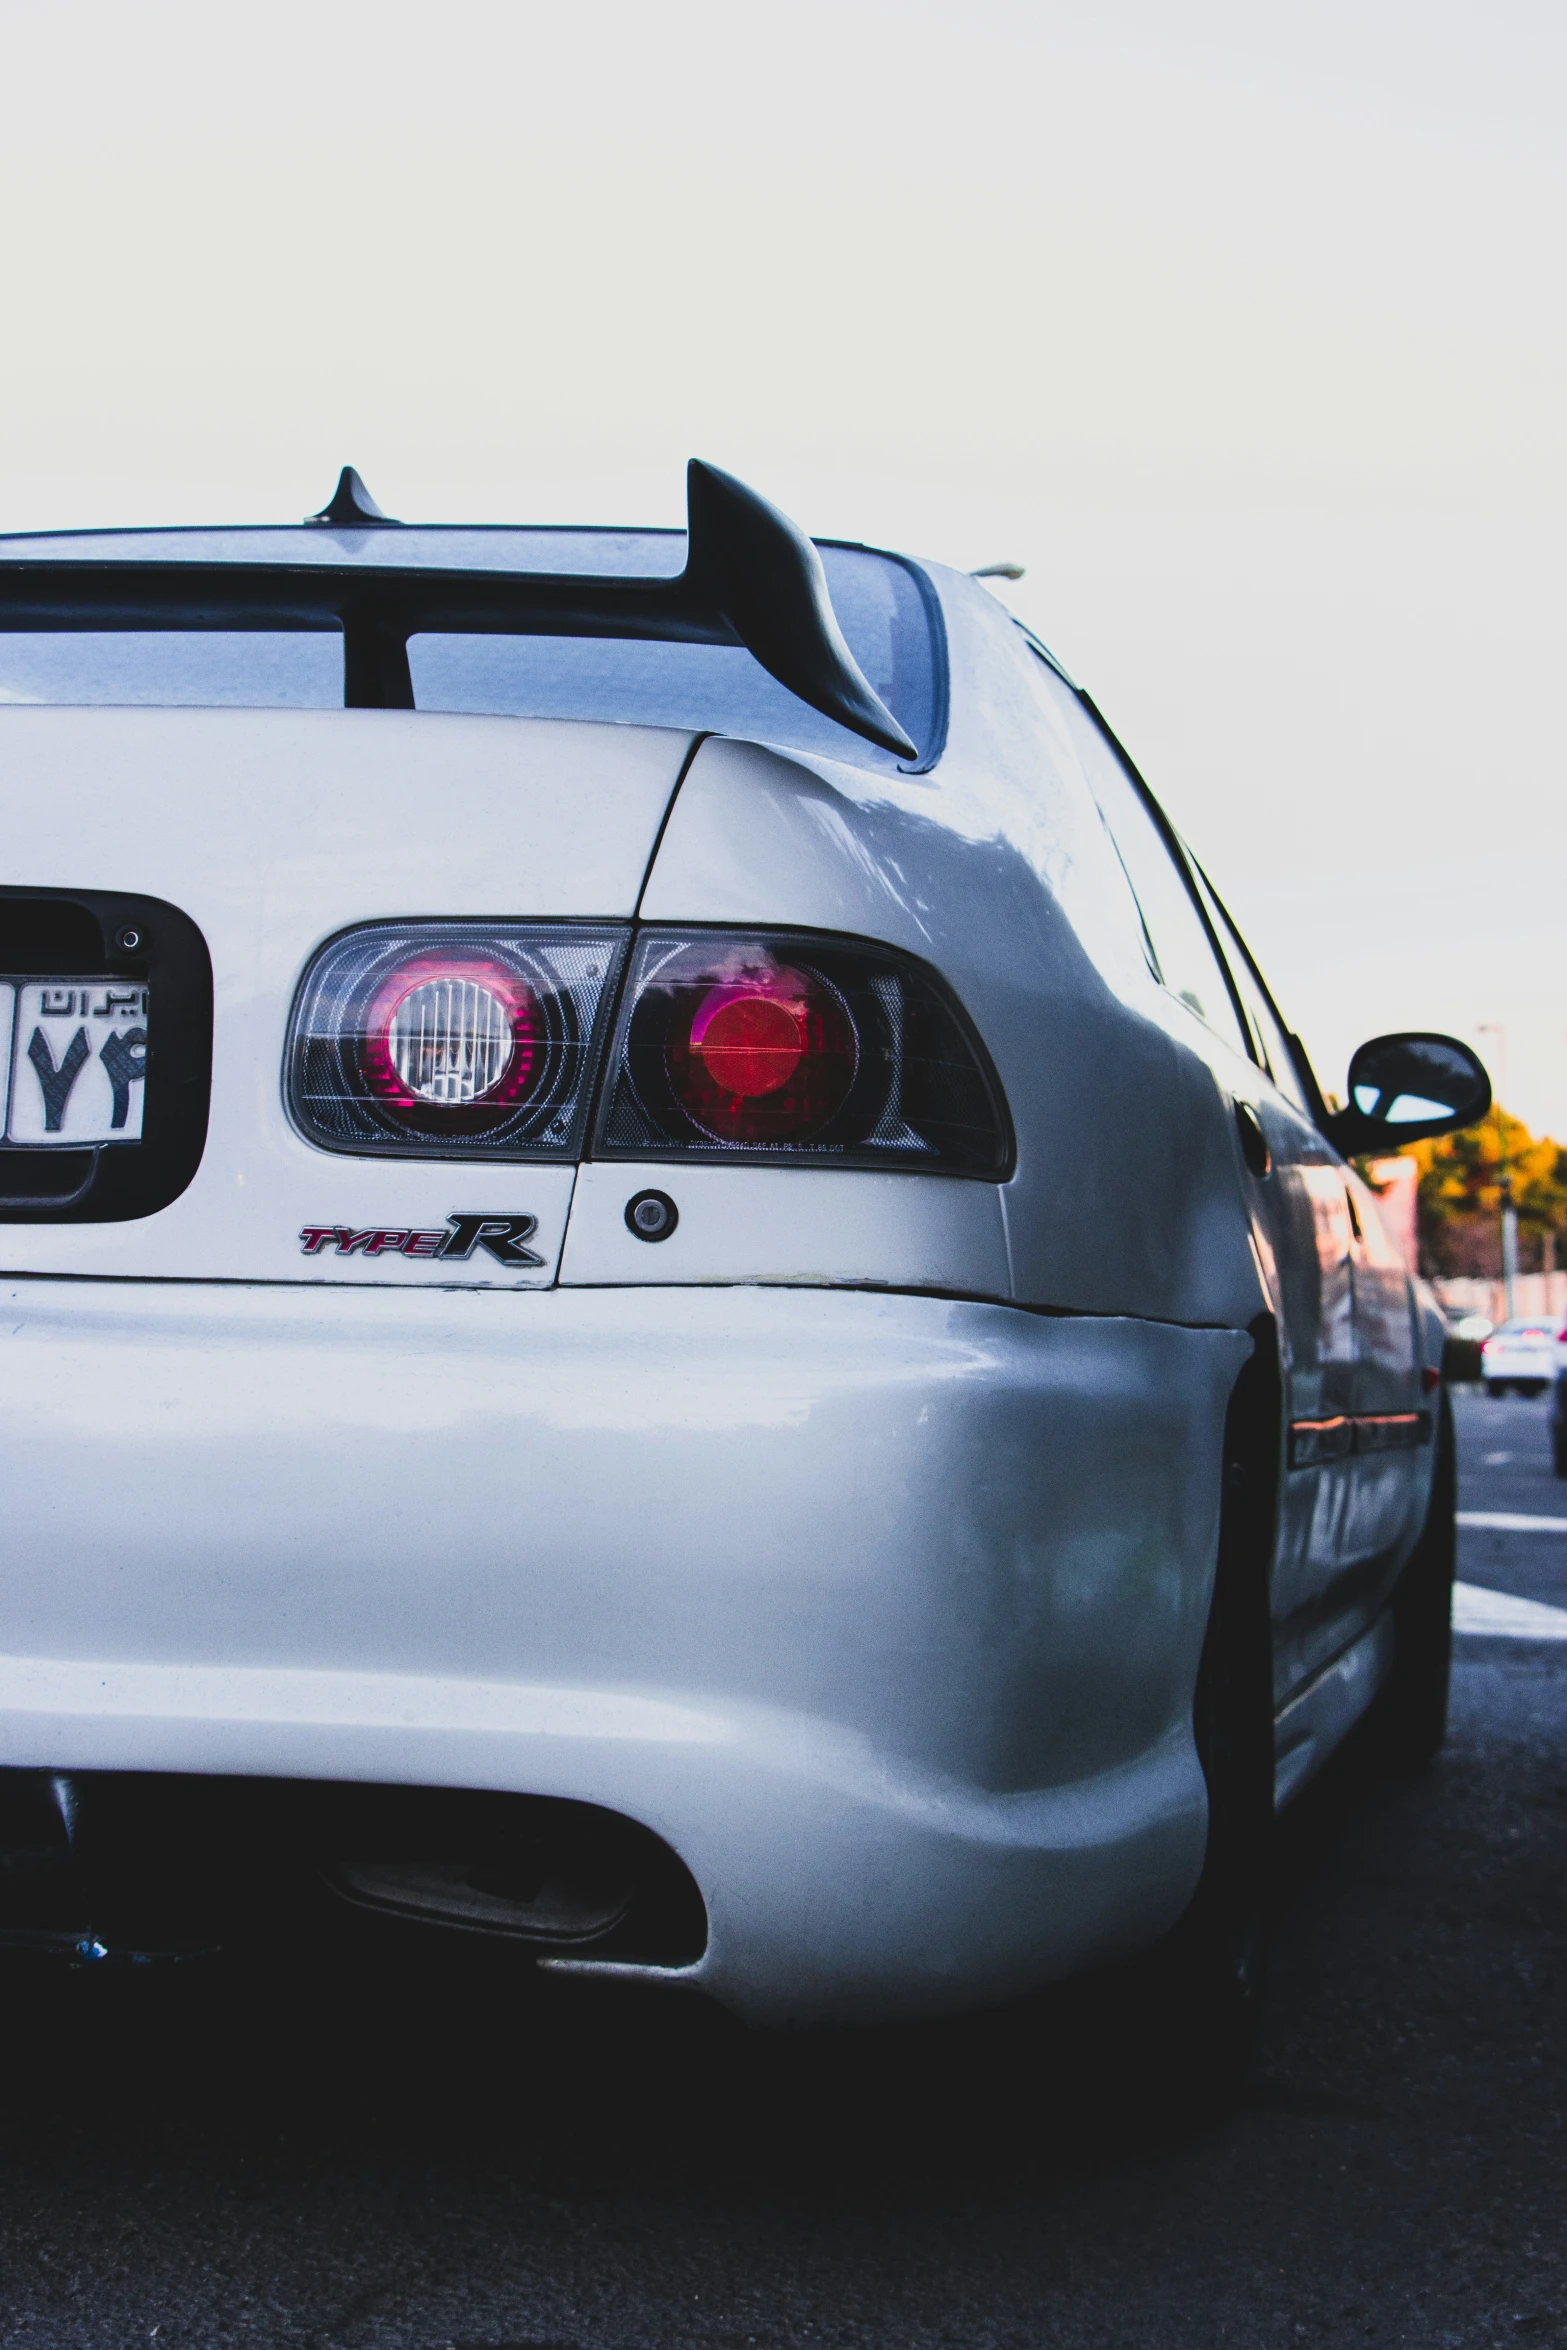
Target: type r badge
[(504, 1238)]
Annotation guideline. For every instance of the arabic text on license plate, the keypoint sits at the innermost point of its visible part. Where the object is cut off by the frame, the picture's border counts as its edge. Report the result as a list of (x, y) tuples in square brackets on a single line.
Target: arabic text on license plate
[(75, 1060)]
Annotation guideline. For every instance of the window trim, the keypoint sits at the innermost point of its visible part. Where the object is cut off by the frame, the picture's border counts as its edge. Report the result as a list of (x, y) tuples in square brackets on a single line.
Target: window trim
[(1306, 1076), (1319, 1111), (1184, 864)]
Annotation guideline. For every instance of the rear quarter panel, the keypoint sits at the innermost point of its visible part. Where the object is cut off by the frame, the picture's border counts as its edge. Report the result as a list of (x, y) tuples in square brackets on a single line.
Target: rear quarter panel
[(996, 869)]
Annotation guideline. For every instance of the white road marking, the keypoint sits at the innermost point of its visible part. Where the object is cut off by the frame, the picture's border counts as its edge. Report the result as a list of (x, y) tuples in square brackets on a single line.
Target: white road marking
[(1506, 1522), (1502, 1617), (1497, 1460)]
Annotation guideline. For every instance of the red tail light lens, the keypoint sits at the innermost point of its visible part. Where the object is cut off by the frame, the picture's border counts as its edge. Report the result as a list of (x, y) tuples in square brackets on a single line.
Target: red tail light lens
[(452, 1037), (765, 1053), (774, 1045)]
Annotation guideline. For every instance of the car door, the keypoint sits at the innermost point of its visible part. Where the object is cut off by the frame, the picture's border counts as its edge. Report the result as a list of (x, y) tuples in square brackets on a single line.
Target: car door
[(1392, 1418), (1334, 1576), (1341, 1501)]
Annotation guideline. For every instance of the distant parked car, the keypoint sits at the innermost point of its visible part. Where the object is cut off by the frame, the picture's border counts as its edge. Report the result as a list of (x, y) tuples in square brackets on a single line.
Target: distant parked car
[(1520, 1356)]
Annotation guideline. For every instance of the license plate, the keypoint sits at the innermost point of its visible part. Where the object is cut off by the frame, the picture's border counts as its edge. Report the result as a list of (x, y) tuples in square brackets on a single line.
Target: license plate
[(75, 1056)]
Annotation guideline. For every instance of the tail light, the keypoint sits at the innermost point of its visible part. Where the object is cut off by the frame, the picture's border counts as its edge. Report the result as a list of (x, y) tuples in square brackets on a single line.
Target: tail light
[(447, 1039), (450, 1038), (772, 1046)]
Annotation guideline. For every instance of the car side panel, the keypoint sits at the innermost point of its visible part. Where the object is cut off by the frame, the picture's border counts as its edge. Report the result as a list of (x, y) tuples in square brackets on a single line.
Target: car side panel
[(1302, 1231), (1391, 1477)]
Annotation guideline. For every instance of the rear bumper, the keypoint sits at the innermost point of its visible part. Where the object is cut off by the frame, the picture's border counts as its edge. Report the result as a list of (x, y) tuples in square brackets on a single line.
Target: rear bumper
[(884, 1612)]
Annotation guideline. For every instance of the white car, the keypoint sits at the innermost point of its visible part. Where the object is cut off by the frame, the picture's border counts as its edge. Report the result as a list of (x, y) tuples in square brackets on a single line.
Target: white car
[(1520, 1356), (670, 1288)]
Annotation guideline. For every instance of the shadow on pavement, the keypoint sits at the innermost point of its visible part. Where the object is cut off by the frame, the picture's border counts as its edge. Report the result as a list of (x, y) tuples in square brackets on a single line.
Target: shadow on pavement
[(439, 2151), (415, 2040)]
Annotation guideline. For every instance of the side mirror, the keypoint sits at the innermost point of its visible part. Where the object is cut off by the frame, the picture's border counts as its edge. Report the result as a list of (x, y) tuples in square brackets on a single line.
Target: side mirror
[(1404, 1087)]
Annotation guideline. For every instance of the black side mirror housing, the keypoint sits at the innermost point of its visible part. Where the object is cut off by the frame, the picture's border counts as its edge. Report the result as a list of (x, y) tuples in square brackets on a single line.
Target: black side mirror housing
[(1404, 1087)]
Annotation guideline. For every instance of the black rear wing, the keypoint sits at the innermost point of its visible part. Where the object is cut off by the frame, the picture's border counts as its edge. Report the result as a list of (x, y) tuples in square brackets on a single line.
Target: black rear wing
[(752, 578)]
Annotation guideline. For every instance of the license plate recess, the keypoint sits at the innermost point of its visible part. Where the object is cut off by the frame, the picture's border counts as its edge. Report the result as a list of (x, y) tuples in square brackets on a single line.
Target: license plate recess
[(105, 1055)]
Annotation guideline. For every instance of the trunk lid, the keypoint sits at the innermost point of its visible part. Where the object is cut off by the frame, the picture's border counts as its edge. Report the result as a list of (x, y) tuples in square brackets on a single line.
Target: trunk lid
[(272, 831)]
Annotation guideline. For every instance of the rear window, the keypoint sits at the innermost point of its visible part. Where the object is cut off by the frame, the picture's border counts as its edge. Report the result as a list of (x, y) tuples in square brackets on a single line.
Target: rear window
[(879, 602), (718, 687), (207, 669)]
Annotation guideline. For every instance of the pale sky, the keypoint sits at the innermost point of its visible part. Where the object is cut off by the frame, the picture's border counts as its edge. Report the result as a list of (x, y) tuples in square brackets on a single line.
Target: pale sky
[(1241, 325)]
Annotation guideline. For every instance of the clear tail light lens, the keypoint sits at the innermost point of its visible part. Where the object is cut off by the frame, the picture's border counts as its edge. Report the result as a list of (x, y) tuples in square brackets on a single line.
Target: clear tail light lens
[(777, 1046), (453, 1038), (451, 1033)]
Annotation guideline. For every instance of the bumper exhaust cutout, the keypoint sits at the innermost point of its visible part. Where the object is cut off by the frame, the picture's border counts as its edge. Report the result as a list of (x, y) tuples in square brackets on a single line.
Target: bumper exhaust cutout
[(139, 1868)]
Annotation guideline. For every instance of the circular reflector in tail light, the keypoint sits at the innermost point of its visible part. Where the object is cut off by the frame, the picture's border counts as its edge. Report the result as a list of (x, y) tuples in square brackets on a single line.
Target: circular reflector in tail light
[(452, 1034), (445, 1038), (797, 1046), (759, 1050)]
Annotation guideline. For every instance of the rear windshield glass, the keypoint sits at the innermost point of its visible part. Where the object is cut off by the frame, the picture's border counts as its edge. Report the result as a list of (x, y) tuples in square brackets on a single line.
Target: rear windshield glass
[(718, 688), (211, 669)]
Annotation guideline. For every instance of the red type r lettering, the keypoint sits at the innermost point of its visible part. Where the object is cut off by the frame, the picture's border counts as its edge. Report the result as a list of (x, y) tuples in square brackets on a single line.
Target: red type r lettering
[(501, 1236), (315, 1237)]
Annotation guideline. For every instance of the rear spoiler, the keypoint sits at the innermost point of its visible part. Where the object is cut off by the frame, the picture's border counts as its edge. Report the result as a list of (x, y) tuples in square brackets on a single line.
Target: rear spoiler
[(752, 578)]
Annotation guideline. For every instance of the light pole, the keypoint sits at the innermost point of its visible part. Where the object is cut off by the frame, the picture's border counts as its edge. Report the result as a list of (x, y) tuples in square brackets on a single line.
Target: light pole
[(1498, 1029)]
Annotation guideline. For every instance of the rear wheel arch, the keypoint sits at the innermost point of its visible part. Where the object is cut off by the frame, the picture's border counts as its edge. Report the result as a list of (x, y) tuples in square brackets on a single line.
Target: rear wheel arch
[(1189, 2008)]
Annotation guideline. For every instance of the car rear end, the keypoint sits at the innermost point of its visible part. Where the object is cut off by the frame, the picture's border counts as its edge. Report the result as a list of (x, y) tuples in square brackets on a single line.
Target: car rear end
[(1520, 1355), (515, 1408)]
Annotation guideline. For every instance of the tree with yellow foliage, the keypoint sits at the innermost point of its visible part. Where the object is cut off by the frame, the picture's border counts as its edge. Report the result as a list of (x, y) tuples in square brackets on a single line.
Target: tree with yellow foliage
[(1460, 1197)]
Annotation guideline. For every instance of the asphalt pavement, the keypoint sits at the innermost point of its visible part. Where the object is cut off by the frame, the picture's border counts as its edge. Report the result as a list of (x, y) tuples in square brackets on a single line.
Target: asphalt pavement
[(426, 2157), (1505, 1470)]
